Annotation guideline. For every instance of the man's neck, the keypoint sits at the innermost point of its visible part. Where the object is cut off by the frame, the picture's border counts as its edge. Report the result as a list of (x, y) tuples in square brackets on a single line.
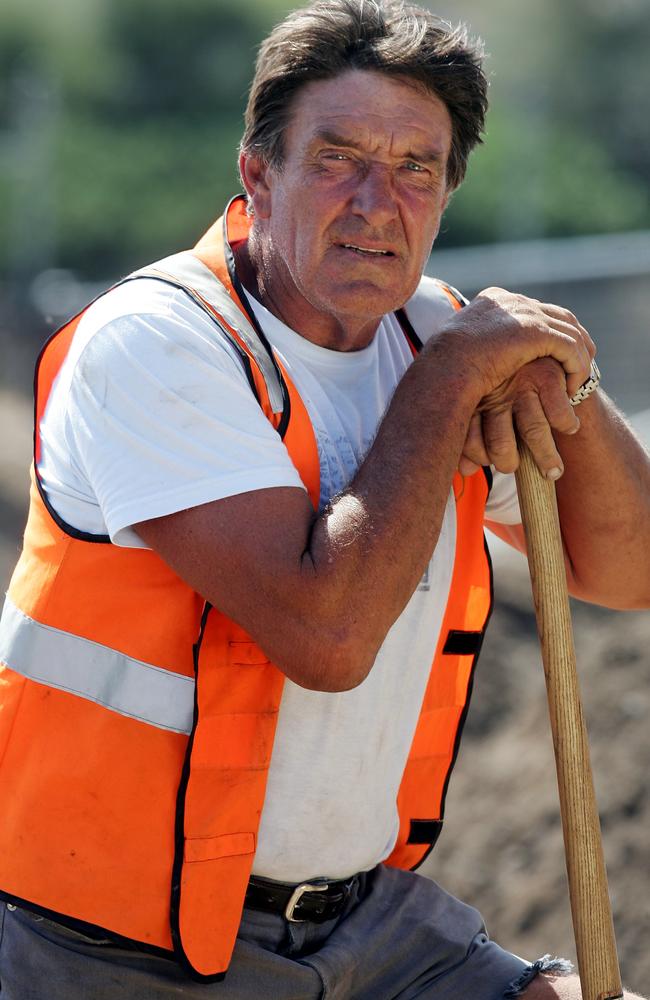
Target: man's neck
[(267, 284)]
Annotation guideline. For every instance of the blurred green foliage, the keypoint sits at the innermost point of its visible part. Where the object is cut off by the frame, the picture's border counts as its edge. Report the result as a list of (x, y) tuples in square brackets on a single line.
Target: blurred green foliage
[(120, 119)]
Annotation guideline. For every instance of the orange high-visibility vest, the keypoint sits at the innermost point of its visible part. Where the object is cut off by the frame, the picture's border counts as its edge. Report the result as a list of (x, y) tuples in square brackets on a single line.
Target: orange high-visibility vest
[(137, 722)]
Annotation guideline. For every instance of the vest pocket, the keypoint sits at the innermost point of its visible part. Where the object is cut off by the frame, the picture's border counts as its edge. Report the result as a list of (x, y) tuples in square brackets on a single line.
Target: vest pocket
[(229, 845)]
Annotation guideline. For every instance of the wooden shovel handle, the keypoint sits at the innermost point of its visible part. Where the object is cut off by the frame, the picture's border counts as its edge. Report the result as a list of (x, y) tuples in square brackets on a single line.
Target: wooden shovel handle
[(590, 906)]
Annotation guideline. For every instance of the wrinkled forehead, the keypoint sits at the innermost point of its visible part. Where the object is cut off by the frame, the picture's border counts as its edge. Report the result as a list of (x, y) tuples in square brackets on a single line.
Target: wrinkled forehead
[(370, 109)]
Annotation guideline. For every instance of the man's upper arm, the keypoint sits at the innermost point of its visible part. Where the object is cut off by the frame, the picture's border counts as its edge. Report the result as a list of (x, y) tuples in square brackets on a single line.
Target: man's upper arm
[(237, 551), (164, 420), (248, 555), (514, 535)]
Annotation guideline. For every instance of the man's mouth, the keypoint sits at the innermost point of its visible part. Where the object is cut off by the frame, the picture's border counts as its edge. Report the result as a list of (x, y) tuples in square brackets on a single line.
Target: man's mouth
[(367, 251)]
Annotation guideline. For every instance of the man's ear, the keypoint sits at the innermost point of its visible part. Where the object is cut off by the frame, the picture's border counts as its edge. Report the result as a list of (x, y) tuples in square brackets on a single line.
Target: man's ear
[(255, 178)]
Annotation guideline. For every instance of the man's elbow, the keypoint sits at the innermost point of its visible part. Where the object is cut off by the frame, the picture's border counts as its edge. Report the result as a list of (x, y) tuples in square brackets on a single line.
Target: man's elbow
[(621, 595), (328, 661)]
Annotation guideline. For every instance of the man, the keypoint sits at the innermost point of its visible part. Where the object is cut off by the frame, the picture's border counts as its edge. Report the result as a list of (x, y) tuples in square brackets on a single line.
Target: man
[(248, 540)]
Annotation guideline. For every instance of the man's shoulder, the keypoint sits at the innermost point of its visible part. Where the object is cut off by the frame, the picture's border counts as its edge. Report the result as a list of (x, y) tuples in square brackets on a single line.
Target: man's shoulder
[(151, 324), (151, 307), (432, 304), (144, 297)]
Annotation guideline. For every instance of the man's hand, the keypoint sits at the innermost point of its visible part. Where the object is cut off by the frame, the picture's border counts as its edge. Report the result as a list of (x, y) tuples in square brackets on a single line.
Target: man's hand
[(535, 403), (534, 399)]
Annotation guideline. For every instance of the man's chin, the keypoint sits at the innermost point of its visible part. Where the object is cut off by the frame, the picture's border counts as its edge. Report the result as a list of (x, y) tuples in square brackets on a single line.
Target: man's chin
[(366, 299)]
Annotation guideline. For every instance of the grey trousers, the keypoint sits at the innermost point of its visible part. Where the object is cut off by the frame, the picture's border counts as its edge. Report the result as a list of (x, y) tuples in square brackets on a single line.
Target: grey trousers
[(401, 937)]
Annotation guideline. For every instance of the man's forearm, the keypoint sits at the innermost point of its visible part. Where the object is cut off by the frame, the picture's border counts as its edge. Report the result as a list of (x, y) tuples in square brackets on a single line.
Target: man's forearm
[(370, 548), (373, 543), (604, 504)]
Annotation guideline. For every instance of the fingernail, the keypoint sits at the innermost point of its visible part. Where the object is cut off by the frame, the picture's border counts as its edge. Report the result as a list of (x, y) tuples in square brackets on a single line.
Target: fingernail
[(554, 473)]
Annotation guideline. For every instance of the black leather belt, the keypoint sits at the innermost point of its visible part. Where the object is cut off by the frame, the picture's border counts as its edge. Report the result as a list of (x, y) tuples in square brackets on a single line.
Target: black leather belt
[(314, 901)]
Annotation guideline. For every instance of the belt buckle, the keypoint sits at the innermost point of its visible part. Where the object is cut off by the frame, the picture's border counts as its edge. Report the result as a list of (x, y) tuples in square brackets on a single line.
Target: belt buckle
[(297, 894)]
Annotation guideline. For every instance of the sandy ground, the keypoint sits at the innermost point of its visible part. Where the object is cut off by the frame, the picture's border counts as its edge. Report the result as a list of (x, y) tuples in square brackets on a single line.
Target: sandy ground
[(502, 844)]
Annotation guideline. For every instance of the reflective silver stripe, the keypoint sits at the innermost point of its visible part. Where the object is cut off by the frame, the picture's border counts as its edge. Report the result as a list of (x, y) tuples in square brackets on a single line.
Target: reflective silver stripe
[(100, 674), (191, 274)]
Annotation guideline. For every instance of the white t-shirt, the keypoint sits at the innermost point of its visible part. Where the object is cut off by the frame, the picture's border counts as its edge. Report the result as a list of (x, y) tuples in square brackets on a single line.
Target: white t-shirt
[(152, 413)]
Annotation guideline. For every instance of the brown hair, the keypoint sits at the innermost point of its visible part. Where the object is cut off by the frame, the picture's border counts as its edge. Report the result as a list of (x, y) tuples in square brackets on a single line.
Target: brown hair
[(328, 37)]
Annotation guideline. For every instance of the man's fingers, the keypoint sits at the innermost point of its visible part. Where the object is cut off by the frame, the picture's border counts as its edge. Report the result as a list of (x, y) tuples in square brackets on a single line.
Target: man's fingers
[(563, 321), (535, 401), (527, 325), (534, 428), (499, 438), (534, 392), (565, 316), (545, 379), (552, 394), (474, 452), (466, 467), (584, 353)]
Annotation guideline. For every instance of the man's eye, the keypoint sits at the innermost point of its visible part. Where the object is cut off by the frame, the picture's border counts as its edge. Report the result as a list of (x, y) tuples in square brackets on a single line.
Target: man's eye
[(416, 168)]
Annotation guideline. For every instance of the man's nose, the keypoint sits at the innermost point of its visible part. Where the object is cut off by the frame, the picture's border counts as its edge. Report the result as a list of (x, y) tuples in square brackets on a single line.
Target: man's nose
[(374, 197)]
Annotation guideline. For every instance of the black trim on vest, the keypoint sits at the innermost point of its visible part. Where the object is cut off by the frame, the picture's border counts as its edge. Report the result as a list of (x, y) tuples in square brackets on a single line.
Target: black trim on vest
[(460, 643), (179, 829), (69, 529), (248, 369), (455, 294), (243, 356), (463, 718), (244, 298), (95, 931), (80, 536), (408, 330), (424, 831)]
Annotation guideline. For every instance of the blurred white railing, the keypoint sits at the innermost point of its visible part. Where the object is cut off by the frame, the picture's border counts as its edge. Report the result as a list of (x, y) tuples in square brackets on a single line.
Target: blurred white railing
[(530, 262)]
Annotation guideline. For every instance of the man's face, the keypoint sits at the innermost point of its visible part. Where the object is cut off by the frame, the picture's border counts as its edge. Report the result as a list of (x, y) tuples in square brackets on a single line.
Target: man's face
[(348, 221)]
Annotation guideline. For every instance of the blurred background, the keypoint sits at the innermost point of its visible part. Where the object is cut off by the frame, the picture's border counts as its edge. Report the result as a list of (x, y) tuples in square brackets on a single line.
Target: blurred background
[(119, 125)]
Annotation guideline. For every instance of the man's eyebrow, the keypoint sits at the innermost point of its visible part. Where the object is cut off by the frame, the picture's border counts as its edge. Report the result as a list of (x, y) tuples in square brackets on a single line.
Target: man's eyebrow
[(423, 155)]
